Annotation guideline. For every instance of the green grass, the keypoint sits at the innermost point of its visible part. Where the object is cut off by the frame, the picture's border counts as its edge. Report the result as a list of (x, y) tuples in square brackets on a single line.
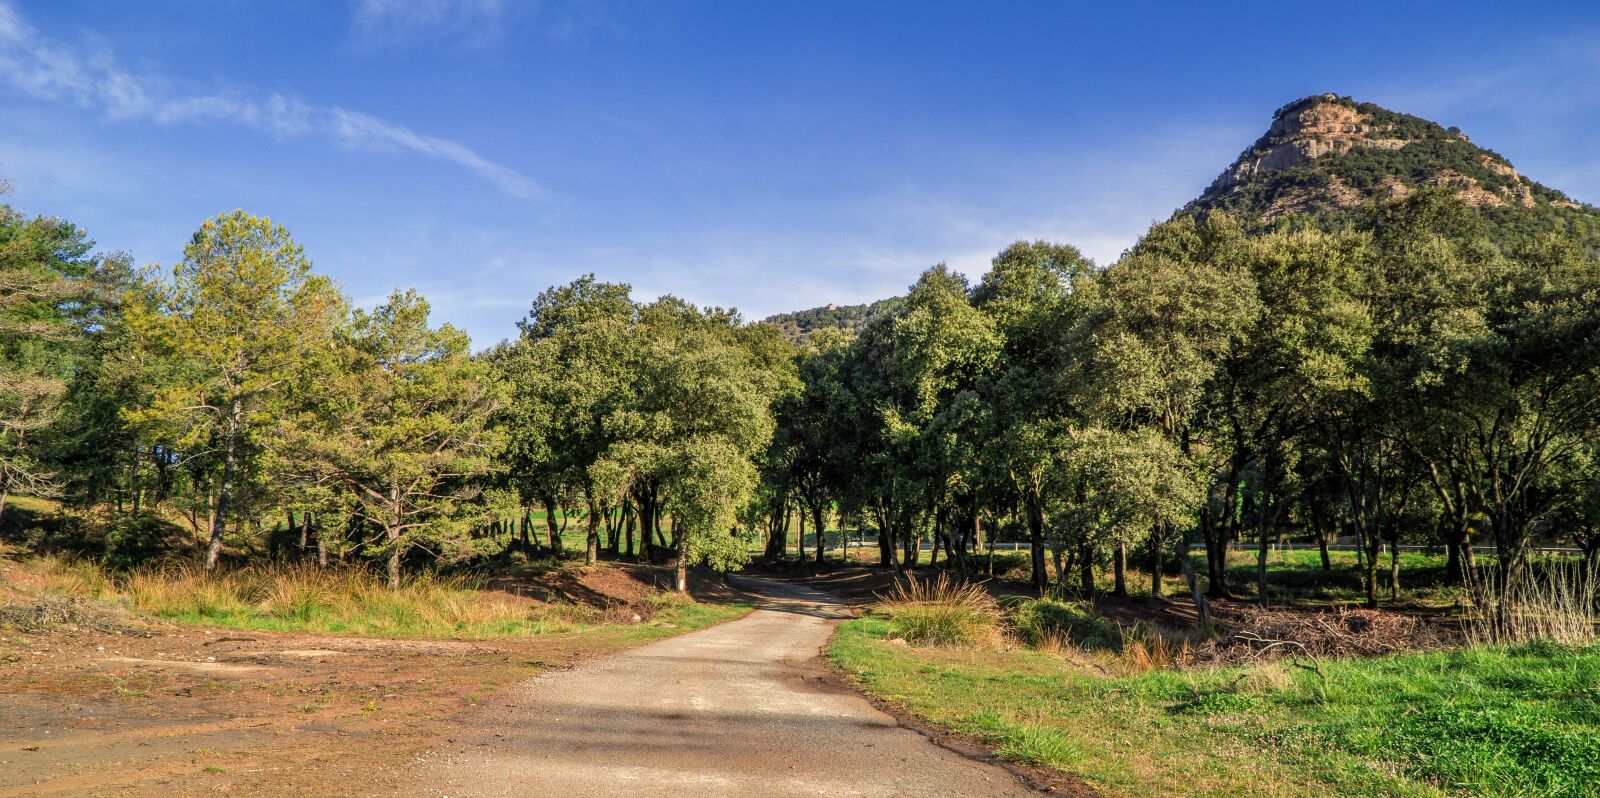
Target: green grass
[(1500, 723)]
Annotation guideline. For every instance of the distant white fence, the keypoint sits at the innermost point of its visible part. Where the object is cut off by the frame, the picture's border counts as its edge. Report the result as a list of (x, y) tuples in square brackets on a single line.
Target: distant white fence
[(1020, 546)]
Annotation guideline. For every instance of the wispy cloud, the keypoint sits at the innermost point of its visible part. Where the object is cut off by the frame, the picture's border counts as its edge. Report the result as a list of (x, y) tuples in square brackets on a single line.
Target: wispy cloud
[(49, 70), (471, 21)]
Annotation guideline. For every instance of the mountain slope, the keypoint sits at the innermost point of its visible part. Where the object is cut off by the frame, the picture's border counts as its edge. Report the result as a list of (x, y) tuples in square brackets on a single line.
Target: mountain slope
[(797, 326), (1326, 155)]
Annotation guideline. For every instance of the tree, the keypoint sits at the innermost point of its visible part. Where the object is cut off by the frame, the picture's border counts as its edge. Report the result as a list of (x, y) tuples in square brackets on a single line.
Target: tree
[(569, 373), (816, 454), (1035, 294), (1116, 487), (237, 319), (45, 294), (1168, 315), (403, 427), (1491, 360)]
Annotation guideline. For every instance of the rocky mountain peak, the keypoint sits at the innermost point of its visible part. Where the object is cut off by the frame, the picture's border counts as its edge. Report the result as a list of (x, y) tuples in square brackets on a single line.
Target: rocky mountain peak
[(1326, 152)]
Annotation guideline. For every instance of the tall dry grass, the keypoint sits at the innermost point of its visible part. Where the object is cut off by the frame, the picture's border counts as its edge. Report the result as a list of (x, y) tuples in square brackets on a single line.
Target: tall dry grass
[(298, 596), (942, 612), (1553, 600)]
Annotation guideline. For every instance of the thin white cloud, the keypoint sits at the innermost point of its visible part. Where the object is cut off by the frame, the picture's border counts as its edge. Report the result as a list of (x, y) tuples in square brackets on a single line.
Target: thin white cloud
[(384, 21), (49, 70), (360, 130)]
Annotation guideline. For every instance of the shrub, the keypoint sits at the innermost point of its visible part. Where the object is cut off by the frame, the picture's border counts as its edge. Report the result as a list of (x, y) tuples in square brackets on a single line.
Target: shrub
[(941, 613), (1047, 621)]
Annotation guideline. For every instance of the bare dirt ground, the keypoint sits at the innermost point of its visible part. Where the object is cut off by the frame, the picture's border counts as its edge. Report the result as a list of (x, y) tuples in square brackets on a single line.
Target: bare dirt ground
[(739, 709), (156, 709)]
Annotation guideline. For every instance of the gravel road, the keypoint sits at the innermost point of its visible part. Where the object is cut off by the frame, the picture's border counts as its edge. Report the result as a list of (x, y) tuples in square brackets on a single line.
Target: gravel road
[(739, 709)]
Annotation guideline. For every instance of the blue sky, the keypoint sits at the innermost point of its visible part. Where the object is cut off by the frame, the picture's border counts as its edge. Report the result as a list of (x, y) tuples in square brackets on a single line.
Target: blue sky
[(765, 155)]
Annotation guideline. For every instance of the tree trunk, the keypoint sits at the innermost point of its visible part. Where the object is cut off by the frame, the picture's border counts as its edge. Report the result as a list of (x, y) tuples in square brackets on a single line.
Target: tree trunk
[(802, 540), (1086, 572), (647, 522), (1201, 604), (629, 519), (1458, 547), (1370, 553), (1120, 570), (911, 554), (682, 581), (219, 518), (885, 539), (778, 533), (1394, 569), (1157, 542), (1261, 568), (1041, 580), (393, 533), (322, 544), (552, 509), (1319, 525), (591, 552), (819, 512)]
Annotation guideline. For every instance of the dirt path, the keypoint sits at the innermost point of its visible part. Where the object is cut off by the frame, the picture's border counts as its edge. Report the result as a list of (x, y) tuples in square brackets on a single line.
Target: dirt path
[(735, 710)]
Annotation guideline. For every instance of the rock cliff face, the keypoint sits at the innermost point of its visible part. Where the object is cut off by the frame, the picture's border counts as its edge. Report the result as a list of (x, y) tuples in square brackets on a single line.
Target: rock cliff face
[(1302, 132), (1325, 153)]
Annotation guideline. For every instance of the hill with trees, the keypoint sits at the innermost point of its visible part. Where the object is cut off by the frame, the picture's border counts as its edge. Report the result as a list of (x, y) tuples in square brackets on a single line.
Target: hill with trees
[(798, 325), (1327, 156)]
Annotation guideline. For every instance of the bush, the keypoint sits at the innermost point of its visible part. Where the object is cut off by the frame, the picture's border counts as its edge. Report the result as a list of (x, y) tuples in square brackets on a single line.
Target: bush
[(1048, 621), (941, 613), (140, 538)]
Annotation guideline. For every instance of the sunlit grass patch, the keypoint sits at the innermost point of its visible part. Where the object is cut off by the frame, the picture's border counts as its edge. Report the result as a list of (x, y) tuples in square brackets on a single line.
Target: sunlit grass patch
[(1497, 722)]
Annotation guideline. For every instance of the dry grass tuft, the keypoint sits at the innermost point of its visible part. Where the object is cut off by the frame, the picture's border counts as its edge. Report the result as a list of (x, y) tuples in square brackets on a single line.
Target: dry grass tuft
[(942, 612), (1554, 602), (1147, 648)]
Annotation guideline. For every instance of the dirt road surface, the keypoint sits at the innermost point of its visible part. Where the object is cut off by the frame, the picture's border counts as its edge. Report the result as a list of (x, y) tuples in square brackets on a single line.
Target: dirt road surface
[(741, 709)]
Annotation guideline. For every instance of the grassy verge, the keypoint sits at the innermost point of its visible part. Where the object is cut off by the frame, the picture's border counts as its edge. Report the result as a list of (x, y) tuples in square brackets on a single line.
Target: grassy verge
[(354, 602), (1502, 722)]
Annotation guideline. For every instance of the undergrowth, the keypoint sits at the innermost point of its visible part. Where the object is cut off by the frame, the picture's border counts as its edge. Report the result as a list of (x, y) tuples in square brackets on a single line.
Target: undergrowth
[(340, 601)]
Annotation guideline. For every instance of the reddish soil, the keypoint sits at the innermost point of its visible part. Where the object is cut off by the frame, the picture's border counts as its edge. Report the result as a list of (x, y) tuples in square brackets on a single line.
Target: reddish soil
[(159, 709)]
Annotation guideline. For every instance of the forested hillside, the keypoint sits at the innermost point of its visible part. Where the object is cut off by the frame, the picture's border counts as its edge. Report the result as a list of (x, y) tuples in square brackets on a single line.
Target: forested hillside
[(799, 325)]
